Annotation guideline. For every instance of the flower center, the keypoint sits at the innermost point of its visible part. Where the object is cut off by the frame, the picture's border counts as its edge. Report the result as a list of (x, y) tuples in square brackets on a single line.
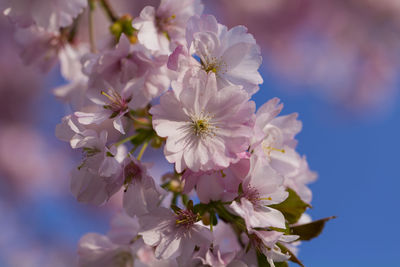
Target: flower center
[(252, 195), (132, 171), (163, 24), (213, 64), (202, 126), (272, 141), (185, 218), (117, 104)]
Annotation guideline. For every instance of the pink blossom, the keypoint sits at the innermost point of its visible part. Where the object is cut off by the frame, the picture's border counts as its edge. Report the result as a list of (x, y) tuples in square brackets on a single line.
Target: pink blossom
[(121, 79), (217, 185), (262, 187), (141, 195), (39, 47), (265, 242), (74, 92), (88, 187), (98, 176), (113, 105), (232, 55), (165, 27), (205, 127), (275, 132), (175, 235), (132, 74), (49, 15), (296, 172), (146, 258), (116, 249), (98, 157), (225, 247), (274, 141)]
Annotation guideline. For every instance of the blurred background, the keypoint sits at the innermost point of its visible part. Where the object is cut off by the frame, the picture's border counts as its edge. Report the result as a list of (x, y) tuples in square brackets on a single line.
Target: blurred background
[(335, 62)]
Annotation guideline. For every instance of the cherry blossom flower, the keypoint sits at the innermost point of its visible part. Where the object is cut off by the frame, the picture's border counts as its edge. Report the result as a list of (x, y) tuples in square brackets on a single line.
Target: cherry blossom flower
[(114, 105), (217, 185), (205, 127), (98, 158), (124, 63), (141, 194), (225, 247), (88, 187), (265, 242), (175, 235), (163, 28), (128, 77), (274, 141), (49, 15), (296, 172), (232, 55), (262, 187), (74, 92), (115, 249), (39, 47)]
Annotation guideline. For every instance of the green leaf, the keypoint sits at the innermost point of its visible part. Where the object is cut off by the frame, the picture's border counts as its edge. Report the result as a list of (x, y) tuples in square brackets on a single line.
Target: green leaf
[(310, 230), (293, 257), (293, 207), (262, 260)]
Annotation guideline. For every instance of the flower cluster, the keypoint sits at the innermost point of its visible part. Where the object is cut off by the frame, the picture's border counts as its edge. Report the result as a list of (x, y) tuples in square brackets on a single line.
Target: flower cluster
[(175, 79)]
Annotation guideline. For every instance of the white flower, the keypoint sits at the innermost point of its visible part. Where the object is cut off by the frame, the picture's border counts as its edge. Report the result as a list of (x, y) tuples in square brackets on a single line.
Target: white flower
[(174, 234), (205, 127), (162, 28), (274, 141), (232, 55), (50, 15), (141, 195), (116, 249), (262, 187), (74, 92)]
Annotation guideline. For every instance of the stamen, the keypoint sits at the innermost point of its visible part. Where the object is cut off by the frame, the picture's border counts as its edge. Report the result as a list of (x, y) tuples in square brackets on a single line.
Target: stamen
[(117, 104), (252, 195), (268, 149), (265, 198), (185, 218), (163, 24), (132, 171), (213, 64), (108, 96), (202, 125)]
